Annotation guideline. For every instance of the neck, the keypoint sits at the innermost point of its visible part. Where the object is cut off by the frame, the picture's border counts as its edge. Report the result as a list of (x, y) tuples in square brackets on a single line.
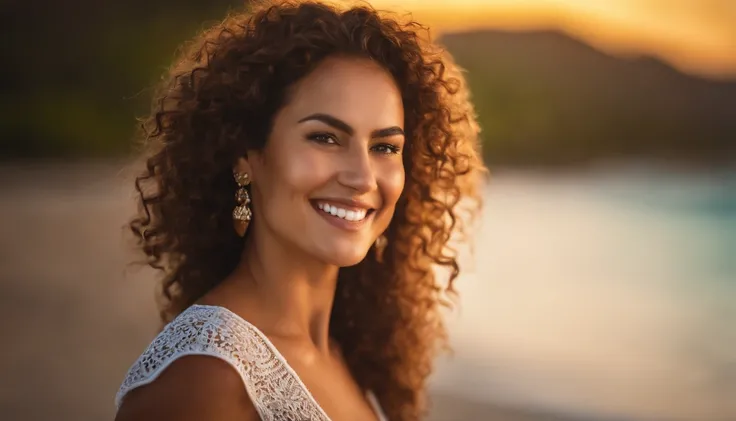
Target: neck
[(292, 293)]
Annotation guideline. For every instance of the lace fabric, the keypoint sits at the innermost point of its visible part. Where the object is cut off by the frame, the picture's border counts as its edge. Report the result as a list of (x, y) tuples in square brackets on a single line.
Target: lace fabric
[(273, 386)]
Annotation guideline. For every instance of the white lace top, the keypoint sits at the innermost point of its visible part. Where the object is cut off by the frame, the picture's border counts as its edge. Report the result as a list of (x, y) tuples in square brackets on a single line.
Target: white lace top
[(273, 386)]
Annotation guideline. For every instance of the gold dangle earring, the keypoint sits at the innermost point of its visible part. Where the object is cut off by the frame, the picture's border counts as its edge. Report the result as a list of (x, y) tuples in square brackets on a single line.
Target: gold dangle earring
[(380, 246), (242, 213)]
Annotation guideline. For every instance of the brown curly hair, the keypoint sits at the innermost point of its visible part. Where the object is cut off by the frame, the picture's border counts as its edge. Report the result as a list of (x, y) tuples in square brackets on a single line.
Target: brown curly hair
[(218, 101)]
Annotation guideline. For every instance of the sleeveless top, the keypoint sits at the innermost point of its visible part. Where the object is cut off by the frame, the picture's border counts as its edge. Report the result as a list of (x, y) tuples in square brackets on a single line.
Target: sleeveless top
[(275, 389)]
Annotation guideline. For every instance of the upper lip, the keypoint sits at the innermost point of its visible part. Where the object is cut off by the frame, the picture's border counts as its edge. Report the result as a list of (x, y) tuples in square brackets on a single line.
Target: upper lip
[(348, 204)]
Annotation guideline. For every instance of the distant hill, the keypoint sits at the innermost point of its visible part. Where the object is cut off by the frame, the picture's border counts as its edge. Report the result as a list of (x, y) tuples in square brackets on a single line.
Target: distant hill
[(76, 85), (545, 98)]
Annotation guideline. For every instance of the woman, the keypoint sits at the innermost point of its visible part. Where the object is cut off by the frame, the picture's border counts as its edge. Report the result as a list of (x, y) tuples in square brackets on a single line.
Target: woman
[(307, 171)]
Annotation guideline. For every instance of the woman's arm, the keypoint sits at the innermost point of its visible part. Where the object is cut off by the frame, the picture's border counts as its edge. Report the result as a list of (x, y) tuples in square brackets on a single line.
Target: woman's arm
[(192, 388)]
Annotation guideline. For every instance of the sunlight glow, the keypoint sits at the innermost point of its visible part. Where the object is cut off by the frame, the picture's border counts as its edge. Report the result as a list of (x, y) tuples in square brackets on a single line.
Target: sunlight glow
[(697, 36)]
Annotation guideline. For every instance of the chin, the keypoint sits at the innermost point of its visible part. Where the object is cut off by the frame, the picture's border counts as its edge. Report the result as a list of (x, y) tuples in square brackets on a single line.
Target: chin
[(344, 256)]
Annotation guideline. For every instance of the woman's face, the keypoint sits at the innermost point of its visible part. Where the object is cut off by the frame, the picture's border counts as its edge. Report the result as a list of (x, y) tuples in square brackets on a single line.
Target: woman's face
[(328, 180)]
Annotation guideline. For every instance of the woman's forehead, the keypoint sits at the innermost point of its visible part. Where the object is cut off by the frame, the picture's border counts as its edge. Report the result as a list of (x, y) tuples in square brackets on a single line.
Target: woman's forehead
[(353, 89)]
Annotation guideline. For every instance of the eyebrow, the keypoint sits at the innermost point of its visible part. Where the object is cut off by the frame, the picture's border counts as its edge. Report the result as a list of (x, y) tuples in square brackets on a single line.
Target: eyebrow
[(345, 127)]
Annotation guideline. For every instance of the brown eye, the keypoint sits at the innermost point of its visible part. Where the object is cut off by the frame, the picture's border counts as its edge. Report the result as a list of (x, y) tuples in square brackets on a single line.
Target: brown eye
[(386, 148), (324, 138)]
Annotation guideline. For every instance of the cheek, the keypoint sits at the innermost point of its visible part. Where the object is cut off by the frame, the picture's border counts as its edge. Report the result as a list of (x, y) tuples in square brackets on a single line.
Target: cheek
[(298, 171), (392, 182)]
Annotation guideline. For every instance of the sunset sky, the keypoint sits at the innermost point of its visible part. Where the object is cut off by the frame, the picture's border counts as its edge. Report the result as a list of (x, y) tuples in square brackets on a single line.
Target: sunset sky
[(697, 36)]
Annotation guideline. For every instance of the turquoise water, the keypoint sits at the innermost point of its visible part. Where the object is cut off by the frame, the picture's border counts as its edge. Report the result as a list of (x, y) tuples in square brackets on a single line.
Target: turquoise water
[(609, 293)]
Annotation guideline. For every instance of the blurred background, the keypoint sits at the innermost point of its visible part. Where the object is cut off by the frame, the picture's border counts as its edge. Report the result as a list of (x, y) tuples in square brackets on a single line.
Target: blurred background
[(603, 285)]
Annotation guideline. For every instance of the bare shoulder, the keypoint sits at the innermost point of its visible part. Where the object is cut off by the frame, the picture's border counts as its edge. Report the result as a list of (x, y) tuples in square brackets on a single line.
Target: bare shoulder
[(192, 388)]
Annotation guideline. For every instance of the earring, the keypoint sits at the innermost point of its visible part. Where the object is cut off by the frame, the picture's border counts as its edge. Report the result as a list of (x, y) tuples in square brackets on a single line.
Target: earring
[(242, 213), (380, 246)]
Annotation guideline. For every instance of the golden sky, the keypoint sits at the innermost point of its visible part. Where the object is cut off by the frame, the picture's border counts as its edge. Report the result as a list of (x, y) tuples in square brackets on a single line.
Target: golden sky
[(697, 36)]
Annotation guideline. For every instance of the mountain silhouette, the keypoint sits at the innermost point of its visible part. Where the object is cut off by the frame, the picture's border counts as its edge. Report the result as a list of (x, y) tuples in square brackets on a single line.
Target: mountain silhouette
[(546, 98), (543, 97)]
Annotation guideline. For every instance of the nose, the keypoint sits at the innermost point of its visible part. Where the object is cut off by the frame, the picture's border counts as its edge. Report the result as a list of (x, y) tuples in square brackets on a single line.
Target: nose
[(357, 172)]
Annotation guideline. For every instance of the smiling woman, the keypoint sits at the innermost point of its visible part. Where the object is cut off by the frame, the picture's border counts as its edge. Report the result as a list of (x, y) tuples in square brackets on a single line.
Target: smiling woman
[(305, 175), (347, 156)]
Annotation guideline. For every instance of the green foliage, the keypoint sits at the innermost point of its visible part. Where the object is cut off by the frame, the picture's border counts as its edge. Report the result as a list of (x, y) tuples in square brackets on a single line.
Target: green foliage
[(84, 70)]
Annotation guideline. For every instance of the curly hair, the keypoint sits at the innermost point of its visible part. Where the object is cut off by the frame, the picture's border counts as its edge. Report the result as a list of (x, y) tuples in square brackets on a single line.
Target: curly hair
[(218, 100)]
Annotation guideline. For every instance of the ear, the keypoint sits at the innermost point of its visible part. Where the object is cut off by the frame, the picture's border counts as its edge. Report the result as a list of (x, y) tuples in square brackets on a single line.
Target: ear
[(243, 166)]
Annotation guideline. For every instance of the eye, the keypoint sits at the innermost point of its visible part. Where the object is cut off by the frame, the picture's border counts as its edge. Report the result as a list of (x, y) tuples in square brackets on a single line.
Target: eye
[(324, 138), (386, 148)]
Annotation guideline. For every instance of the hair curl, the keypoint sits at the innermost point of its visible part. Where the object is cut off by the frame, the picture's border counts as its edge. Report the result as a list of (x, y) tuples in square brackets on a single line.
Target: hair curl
[(218, 101)]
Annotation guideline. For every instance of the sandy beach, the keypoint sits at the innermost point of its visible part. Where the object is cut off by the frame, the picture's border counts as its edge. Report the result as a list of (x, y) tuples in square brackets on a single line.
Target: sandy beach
[(74, 313), (600, 343)]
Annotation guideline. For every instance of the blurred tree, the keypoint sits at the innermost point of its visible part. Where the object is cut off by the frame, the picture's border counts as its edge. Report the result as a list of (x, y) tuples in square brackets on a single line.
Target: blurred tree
[(77, 72)]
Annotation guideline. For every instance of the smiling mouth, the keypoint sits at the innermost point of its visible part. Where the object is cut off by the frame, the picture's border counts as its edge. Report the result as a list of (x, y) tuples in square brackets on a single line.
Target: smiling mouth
[(342, 215)]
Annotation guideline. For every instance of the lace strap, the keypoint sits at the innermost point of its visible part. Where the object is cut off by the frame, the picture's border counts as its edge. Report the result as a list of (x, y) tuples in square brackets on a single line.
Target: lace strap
[(197, 331), (274, 388)]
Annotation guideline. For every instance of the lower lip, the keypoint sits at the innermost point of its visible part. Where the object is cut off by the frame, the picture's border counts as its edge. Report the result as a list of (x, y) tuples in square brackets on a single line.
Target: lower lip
[(343, 223)]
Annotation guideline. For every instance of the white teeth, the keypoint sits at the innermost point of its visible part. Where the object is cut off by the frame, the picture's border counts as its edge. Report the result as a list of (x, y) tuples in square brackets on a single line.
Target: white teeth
[(350, 215)]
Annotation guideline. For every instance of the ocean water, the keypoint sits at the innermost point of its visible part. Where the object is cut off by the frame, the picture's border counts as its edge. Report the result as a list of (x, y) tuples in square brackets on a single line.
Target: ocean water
[(598, 295), (608, 294)]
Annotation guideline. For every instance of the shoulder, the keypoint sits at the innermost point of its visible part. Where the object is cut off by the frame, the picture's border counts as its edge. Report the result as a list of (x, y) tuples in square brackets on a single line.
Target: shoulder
[(196, 365), (194, 387), (196, 331)]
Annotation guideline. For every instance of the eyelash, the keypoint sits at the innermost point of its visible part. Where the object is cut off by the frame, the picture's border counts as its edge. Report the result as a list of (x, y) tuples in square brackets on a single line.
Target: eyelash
[(330, 139), (388, 149), (325, 138)]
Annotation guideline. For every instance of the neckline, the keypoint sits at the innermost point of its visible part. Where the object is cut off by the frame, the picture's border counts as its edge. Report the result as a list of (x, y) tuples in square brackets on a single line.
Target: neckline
[(371, 398)]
